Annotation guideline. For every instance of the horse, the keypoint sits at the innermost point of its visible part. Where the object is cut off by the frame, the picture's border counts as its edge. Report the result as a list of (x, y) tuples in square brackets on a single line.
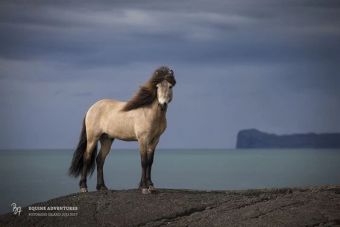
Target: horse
[(142, 119)]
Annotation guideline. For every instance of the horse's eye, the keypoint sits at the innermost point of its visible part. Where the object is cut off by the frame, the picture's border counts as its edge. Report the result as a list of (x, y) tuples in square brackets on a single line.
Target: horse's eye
[(170, 86)]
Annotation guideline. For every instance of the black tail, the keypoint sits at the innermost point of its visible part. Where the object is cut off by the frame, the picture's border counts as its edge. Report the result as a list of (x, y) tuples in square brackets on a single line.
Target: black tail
[(78, 156)]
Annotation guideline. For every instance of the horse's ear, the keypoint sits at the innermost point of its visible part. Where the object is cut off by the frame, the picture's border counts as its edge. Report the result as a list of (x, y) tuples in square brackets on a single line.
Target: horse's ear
[(171, 72)]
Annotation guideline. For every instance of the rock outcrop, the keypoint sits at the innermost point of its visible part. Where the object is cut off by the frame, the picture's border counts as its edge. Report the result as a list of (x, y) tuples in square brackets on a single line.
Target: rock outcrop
[(313, 206)]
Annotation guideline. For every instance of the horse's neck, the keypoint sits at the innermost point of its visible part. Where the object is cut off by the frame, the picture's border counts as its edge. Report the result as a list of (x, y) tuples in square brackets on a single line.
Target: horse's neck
[(155, 114)]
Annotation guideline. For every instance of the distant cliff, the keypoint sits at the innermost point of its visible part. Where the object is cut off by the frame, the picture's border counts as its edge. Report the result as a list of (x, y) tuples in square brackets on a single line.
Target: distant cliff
[(252, 138)]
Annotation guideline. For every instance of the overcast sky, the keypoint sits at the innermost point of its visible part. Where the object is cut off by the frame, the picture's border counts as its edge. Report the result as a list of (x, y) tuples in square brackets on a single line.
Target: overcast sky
[(266, 64)]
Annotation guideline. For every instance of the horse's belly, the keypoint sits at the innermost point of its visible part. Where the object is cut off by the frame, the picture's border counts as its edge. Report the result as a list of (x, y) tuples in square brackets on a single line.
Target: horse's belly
[(122, 133), (126, 138)]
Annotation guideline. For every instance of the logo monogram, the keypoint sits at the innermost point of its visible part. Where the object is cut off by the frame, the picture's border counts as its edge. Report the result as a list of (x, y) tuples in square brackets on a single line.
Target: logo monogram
[(16, 210)]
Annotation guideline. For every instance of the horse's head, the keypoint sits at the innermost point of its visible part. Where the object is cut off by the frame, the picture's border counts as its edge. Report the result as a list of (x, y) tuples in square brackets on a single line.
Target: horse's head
[(164, 92)]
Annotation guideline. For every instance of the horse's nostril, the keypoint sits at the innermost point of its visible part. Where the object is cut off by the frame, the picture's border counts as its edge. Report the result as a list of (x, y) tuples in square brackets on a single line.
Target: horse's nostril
[(162, 104)]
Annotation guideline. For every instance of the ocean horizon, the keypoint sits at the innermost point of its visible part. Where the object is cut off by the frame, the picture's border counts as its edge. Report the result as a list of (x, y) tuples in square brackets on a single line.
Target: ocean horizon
[(36, 175)]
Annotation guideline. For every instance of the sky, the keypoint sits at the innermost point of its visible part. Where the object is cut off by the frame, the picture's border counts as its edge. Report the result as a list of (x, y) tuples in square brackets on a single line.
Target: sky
[(272, 65)]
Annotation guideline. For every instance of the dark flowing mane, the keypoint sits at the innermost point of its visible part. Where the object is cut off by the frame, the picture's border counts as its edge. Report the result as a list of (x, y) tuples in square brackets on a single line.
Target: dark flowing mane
[(148, 92)]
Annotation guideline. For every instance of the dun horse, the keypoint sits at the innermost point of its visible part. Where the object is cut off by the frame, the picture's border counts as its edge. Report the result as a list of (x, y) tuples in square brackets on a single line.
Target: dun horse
[(142, 119)]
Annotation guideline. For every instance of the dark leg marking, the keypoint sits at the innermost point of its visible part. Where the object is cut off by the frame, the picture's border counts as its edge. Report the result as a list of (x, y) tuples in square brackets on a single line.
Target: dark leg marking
[(82, 182), (144, 163), (100, 175), (148, 170)]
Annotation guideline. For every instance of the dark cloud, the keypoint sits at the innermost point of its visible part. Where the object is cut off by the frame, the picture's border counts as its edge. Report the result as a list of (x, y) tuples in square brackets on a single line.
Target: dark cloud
[(127, 32)]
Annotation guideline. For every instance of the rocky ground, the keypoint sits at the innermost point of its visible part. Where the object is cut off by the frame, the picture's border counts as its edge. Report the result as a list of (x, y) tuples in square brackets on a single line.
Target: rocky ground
[(313, 206)]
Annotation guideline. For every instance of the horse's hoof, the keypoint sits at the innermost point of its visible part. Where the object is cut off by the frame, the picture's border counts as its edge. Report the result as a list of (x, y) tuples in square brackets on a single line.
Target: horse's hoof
[(151, 188), (145, 191), (83, 190), (101, 188)]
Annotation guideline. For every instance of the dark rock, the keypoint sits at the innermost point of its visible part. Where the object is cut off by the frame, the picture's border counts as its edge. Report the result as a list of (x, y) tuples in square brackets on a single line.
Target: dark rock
[(314, 206), (252, 138)]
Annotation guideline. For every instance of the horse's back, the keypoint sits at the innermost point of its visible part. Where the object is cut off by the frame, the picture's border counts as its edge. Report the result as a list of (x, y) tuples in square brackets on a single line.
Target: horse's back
[(106, 104), (106, 116), (103, 107)]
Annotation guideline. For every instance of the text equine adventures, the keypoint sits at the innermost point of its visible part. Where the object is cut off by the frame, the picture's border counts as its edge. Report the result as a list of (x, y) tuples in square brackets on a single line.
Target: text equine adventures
[(142, 119)]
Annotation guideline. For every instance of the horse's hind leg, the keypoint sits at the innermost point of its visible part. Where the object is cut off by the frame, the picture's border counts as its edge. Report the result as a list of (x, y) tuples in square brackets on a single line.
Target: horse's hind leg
[(104, 150), (91, 145)]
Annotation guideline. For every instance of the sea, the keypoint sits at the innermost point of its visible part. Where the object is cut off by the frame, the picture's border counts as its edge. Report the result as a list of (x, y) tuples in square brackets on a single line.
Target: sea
[(31, 176)]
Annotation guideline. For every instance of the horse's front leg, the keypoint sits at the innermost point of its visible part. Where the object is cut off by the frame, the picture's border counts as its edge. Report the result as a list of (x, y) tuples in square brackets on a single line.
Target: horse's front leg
[(144, 163), (149, 182), (147, 157)]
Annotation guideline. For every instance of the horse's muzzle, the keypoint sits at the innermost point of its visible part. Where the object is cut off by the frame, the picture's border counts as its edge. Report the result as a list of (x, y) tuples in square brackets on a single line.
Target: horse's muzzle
[(163, 106)]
